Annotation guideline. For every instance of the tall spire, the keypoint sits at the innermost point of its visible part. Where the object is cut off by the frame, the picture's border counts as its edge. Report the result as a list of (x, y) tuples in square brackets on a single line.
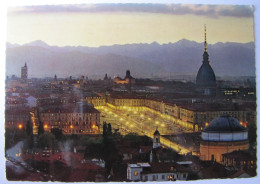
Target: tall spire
[(205, 55), (205, 41)]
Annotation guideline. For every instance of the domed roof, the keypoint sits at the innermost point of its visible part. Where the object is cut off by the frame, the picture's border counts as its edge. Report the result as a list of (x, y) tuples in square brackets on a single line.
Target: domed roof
[(225, 123), (206, 75)]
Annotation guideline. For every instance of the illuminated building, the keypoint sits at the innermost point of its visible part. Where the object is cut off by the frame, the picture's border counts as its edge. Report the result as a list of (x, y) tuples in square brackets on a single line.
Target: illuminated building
[(206, 80), (223, 135), (156, 172), (127, 80), (192, 116), (16, 118), (96, 101), (72, 119), (198, 115)]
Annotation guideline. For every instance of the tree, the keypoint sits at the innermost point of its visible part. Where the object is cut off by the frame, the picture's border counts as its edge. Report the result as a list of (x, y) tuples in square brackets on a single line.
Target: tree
[(40, 129), (57, 133), (133, 137), (29, 128), (46, 140), (252, 134), (104, 129), (109, 129)]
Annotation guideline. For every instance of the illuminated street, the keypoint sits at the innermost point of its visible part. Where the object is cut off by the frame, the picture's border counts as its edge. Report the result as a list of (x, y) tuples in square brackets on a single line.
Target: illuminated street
[(142, 122)]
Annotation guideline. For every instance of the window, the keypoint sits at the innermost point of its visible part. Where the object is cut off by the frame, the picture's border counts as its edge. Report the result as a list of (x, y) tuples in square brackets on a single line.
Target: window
[(163, 176), (136, 173), (184, 175), (172, 168)]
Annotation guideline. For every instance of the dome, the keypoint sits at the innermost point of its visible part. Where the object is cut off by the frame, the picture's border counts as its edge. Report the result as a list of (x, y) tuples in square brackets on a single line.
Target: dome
[(224, 128), (206, 75), (225, 123)]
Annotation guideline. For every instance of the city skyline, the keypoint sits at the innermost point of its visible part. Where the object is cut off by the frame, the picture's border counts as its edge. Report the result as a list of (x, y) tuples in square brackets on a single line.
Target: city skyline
[(96, 25), (130, 92)]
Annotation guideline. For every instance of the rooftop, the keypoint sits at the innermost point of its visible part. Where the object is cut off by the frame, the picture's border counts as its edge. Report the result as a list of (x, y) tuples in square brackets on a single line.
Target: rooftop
[(224, 123)]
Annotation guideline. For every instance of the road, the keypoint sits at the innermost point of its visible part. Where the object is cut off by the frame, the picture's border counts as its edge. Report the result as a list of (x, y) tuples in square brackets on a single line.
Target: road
[(142, 122)]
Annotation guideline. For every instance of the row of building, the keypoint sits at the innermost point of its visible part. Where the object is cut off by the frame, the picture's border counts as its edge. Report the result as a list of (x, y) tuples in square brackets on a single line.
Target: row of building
[(194, 116)]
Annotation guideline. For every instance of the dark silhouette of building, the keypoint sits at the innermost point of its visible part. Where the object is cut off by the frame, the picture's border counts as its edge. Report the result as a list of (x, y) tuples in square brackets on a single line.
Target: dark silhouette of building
[(127, 80), (206, 79), (24, 72)]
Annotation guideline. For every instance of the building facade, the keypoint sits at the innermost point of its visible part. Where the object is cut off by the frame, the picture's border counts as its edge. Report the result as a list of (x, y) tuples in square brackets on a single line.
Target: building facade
[(193, 117), (72, 120), (156, 172)]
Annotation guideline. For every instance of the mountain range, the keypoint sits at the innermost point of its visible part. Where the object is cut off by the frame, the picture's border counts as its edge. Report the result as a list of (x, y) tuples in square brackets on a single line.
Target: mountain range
[(143, 60)]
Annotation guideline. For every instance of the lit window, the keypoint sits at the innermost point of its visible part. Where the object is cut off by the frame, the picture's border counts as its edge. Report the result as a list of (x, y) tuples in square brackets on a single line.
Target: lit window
[(136, 173), (172, 168)]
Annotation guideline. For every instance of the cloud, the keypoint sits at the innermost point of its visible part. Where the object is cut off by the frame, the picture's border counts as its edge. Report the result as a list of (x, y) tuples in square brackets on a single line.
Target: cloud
[(175, 9)]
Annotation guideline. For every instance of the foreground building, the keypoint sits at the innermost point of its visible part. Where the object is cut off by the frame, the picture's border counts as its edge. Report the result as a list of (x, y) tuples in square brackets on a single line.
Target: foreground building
[(156, 172), (223, 135)]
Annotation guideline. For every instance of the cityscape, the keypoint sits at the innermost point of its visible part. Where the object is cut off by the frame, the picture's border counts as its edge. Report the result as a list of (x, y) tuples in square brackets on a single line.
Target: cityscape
[(151, 108)]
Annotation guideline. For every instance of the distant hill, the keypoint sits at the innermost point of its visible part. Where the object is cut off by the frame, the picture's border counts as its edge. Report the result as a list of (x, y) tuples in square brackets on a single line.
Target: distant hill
[(144, 60)]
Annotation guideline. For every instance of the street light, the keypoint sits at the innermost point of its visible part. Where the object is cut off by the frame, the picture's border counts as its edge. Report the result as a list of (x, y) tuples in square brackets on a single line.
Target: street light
[(45, 126), (20, 126)]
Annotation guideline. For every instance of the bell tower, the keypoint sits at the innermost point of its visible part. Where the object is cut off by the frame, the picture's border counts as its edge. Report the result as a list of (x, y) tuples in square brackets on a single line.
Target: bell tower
[(24, 72), (156, 139)]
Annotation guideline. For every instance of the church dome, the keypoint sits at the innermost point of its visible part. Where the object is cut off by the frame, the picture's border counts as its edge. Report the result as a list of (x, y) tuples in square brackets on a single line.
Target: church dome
[(224, 128), (224, 123)]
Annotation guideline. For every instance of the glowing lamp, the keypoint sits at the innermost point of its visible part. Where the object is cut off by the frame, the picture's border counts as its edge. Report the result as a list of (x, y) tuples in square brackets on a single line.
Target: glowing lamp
[(71, 126), (20, 126)]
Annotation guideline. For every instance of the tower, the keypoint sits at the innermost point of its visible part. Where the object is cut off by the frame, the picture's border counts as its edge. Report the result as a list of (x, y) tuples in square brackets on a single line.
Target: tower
[(24, 72), (156, 139), (206, 79)]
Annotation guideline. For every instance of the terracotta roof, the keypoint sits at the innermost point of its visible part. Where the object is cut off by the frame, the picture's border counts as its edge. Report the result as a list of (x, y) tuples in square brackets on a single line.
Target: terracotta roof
[(68, 158)]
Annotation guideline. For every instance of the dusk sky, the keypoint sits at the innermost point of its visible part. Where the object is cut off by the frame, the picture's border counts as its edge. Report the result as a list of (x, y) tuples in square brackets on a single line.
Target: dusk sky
[(108, 24)]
